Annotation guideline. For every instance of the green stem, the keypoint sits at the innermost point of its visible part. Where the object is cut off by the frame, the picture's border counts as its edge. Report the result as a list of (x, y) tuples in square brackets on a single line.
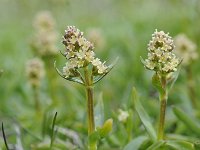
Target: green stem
[(90, 106), (190, 86), (36, 99), (51, 77), (163, 104), (91, 124)]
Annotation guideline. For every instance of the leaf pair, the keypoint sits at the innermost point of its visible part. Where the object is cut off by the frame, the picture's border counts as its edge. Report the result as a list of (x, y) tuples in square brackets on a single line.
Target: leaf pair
[(80, 79)]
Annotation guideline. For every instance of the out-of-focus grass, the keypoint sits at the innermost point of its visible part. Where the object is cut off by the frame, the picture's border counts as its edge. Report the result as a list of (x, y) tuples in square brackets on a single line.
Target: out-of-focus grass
[(126, 26)]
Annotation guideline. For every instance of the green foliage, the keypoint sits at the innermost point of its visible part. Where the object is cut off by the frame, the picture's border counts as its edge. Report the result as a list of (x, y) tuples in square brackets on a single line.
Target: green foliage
[(143, 116), (189, 121), (126, 27)]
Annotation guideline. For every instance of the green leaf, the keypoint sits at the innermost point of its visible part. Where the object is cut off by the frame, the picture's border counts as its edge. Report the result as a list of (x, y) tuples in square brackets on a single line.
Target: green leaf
[(187, 120), (53, 132), (157, 83), (99, 111), (136, 143), (172, 79), (143, 116), (156, 145), (73, 79), (106, 129), (182, 138), (180, 145)]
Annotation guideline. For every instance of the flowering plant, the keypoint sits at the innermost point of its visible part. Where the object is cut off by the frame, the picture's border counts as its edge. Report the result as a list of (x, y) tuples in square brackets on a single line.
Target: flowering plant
[(84, 68)]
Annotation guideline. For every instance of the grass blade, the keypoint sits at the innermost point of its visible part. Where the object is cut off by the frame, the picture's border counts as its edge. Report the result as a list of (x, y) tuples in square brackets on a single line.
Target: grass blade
[(143, 116), (4, 137), (183, 145), (53, 132), (187, 120), (157, 145), (136, 143)]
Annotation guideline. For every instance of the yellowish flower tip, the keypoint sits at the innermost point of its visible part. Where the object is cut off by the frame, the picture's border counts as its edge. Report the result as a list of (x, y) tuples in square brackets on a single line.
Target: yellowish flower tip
[(123, 115), (79, 53), (186, 49), (160, 53), (35, 71), (44, 41)]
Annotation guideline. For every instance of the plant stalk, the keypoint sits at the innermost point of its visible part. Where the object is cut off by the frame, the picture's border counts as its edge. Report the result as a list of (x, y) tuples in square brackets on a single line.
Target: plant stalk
[(163, 104), (190, 86), (36, 99), (90, 107)]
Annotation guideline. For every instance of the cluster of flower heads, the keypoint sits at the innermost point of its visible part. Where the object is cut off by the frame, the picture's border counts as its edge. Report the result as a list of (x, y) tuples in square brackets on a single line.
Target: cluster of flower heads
[(160, 54), (35, 71), (79, 53), (44, 42), (186, 49)]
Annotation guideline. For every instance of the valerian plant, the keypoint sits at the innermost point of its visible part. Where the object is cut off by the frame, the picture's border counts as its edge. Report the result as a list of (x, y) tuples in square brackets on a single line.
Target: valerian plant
[(35, 72), (43, 44), (162, 60), (84, 68), (187, 49)]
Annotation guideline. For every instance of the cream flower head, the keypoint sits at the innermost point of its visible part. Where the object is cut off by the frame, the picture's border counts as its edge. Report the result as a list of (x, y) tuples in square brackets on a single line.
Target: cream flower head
[(186, 49), (45, 38), (35, 71), (79, 53), (160, 53)]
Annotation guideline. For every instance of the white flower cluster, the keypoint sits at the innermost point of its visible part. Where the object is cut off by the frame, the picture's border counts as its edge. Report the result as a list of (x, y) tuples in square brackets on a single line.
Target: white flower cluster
[(79, 53), (44, 42), (186, 49), (123, 115), (35, 71), (160, 56)]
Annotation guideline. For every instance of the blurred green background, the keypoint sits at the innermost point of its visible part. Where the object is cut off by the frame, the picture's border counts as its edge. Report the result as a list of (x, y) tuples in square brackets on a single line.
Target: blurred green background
[(126, 27)]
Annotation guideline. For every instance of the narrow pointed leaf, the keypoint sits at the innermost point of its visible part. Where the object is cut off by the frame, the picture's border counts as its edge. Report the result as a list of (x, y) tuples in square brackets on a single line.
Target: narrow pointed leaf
[(156, 145), (180, 145), (187, 120), (4, 137), (136, 143), (110, 67), (143, 116), (53, 132), (68, 78), (99, 111)]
